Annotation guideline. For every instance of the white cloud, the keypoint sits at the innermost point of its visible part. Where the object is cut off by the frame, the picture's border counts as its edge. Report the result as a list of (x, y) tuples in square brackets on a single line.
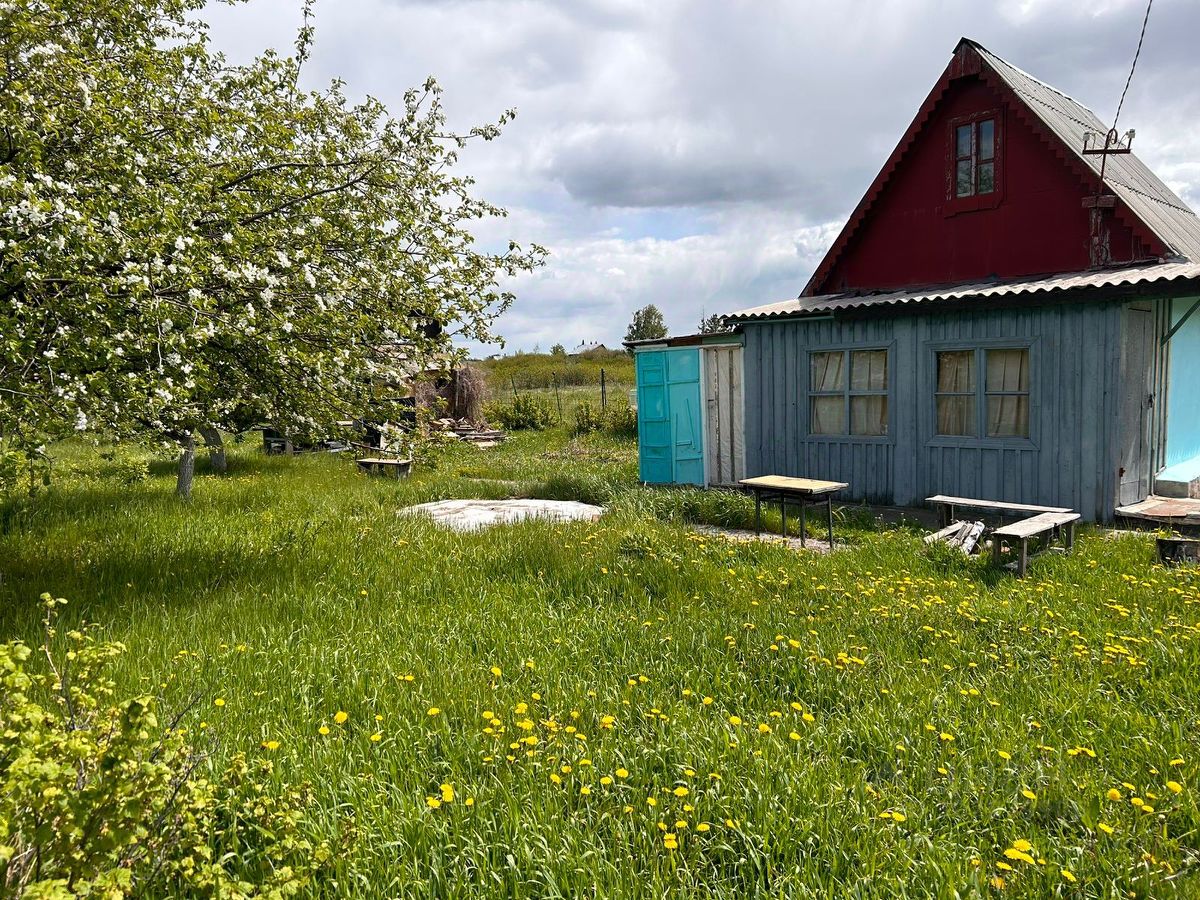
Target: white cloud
[(699, 155)]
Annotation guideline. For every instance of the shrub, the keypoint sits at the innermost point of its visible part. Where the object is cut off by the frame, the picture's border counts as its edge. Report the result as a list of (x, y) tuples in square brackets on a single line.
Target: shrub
[(588, 418), (620, 419), (100, 798), (525, 412)]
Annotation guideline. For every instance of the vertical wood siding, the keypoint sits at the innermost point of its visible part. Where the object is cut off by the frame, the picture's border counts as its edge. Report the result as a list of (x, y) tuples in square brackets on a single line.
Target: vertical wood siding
[(725, 428), (1070, 459)]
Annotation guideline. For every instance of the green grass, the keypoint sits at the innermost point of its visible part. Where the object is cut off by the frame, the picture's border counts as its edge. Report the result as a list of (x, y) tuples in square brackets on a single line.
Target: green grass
[(890, 681)]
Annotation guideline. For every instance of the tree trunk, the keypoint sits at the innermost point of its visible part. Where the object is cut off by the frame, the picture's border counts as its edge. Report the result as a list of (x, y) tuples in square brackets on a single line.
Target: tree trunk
[(216, 450), (187, 468)]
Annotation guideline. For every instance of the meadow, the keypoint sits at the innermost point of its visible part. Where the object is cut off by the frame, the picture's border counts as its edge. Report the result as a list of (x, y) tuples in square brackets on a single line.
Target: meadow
[(629, 708)]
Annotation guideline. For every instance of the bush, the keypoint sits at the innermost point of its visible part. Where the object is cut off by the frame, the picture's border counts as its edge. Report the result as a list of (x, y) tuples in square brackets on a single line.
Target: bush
[(100, 798), (525, 412), (620, 419), (588, 418)]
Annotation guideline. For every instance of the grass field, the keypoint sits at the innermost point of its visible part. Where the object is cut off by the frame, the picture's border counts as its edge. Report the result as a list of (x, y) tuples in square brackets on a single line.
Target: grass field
[(626, 708)]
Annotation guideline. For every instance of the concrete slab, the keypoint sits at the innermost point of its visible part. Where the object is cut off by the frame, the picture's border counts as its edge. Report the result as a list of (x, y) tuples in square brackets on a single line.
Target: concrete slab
[(472, 515), (744, 536)]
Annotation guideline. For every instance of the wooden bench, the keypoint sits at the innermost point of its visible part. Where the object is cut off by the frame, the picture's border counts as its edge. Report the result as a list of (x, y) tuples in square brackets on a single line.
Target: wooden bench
[(801, 491), (375, 466), (948, 505), (1047, 525)]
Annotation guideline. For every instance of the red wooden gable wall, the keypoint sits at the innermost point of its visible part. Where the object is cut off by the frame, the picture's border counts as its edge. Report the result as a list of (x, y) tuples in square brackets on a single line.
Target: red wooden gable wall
[(906, 234)]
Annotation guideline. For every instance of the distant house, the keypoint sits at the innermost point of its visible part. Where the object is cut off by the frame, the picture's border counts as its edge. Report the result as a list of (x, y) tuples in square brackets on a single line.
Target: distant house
[(586, 347), (993, 320)]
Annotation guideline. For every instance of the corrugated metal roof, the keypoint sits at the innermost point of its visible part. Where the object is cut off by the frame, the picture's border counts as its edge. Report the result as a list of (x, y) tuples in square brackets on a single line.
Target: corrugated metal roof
[(1095, 278), (1128, 177)]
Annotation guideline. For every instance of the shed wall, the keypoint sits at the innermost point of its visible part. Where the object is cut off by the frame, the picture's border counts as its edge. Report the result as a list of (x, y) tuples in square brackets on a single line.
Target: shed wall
[(1070, 458), (1183, 407)]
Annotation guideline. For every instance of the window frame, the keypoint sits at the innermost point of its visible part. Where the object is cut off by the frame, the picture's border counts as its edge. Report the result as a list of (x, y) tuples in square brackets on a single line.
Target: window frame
[(848, 392), (974, 201), (980, 439)]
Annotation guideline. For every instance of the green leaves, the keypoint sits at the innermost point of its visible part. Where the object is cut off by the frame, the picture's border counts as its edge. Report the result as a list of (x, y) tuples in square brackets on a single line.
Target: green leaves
[(190, 244), (100, 798)]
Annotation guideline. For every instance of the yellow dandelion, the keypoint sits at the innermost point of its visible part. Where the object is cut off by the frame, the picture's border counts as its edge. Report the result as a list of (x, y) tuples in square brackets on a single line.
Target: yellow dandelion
[(622, 773), (1106, 828), (735, 720), (433, 711), (1114, 794), (1067, 874), (447, 793), (1174, 787), (1004, 754), (324, 729), (377, 737), (220, 701), (340, 717), (585, 790), (271, 745), (1028, 794), (680, 791), (433, 802)]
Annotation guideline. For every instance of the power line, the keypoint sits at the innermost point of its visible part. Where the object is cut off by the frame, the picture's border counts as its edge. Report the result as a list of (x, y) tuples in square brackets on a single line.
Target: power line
[(1133, 67)]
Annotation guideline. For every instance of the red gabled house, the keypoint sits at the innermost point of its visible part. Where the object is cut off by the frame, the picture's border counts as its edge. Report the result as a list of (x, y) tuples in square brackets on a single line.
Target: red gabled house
[(995, 319)]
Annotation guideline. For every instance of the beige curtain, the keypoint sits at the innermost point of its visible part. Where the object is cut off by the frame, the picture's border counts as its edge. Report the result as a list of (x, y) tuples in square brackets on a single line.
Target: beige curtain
[(956, 372), (827, 415), (956, 375), (868, 415), (828, 372), (1008, 413), (868, 370)]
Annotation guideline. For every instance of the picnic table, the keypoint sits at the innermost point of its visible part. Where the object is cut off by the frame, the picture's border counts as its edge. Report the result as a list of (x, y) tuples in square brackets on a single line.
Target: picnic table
[(801, 491)]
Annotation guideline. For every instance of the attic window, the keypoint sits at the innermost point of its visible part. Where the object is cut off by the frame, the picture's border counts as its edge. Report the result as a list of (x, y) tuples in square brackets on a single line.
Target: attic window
[(975, 158)]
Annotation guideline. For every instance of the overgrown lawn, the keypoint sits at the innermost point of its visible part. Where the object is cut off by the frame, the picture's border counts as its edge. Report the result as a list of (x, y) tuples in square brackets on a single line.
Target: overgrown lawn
[(628, 708)]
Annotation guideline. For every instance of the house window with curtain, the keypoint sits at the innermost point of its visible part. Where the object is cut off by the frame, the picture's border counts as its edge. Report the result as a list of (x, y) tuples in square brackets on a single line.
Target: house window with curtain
[(982, 392), (848, 393)]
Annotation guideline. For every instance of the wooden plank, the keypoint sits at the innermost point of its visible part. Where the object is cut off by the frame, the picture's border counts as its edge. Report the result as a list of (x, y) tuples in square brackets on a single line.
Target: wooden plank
[(737, 428), (798, 485), (1036, 525), (995, 505)]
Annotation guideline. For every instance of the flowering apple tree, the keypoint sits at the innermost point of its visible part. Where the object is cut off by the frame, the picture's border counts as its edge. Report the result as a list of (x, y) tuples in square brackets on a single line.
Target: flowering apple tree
[(188, 245)]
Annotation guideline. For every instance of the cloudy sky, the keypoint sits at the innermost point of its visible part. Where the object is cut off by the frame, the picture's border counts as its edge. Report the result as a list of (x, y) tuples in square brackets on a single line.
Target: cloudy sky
[(702, 155)]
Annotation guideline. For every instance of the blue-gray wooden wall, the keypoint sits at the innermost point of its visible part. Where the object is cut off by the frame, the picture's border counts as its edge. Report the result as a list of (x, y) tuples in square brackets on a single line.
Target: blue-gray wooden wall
[(1071, 458)]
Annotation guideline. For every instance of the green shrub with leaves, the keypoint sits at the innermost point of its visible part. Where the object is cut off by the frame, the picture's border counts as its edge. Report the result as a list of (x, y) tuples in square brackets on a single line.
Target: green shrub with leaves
[(588, 418), (620, 419), (525, 412), (100, 798)]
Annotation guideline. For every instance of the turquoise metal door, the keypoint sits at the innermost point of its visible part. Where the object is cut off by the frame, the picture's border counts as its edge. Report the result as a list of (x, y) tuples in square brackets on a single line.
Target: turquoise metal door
[(670, 429)]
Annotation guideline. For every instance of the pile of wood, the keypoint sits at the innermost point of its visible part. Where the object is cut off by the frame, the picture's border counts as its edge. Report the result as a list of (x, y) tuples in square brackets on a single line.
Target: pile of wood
[(466, 430), (963, 535)]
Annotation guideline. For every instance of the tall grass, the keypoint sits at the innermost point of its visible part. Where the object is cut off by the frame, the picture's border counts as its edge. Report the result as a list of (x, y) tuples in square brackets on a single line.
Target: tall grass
[(872, 722)]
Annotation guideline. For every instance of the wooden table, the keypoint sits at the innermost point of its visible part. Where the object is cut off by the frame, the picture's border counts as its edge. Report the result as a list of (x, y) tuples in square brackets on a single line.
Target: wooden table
[(802, 491)]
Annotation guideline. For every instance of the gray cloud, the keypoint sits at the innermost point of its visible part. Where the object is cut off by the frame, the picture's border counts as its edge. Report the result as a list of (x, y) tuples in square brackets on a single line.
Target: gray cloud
[(700, 155)]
